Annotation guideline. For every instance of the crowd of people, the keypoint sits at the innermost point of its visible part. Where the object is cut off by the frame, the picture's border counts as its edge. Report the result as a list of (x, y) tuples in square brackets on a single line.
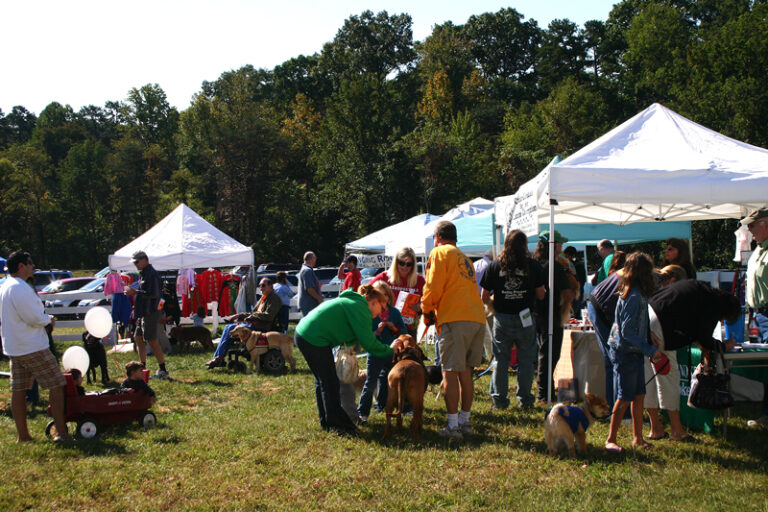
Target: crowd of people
[(641, 317)]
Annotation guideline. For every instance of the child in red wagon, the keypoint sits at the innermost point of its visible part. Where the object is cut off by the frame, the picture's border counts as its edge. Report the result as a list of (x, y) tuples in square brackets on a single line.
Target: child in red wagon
[(135, 381)]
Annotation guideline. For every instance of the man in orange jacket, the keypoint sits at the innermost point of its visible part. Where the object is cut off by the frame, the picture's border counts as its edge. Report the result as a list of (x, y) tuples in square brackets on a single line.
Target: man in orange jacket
[(451, 299)]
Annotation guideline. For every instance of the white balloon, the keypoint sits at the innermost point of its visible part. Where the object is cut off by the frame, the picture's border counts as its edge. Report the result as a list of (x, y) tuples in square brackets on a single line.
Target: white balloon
[(98, 322), (76, 357)]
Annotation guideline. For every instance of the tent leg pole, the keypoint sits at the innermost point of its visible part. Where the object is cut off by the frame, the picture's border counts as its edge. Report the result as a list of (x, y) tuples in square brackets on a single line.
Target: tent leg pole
[(551, 319)]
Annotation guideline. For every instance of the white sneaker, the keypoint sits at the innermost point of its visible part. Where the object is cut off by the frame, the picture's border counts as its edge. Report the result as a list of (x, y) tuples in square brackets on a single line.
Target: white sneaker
[(451, 433), (466, 428), (161, 374), (762, 421), (363, 420)]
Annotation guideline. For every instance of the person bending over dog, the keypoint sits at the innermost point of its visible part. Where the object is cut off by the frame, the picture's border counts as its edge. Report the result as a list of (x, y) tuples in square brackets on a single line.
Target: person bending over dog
[(343, 321)]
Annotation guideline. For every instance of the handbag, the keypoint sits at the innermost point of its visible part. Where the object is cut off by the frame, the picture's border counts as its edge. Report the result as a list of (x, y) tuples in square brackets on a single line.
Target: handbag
[(709, 389), (346, 365)]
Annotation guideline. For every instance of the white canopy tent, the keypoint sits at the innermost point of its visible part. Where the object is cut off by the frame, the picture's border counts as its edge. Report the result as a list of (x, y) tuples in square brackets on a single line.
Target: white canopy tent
[(656, 166), (376, 242), (183, 239)]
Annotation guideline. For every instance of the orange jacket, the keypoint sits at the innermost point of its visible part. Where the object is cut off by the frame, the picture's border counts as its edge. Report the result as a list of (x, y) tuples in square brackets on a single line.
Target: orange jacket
[(451, 290)]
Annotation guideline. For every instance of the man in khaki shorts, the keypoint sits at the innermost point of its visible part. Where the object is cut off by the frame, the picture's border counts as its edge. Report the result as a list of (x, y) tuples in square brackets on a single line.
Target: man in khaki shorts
[(25, 342), (451, 300)]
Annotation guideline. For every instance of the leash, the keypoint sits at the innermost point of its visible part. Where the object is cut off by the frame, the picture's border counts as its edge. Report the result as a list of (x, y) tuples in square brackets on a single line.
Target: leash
[(656, 373)]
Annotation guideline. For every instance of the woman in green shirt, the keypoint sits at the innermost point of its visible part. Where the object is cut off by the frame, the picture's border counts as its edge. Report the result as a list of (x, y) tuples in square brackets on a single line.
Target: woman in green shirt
[(345, 320)]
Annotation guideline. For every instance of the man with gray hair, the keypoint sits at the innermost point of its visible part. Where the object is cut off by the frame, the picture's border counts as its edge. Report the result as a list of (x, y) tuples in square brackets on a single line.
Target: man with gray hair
[(605, 250), (309, 286)]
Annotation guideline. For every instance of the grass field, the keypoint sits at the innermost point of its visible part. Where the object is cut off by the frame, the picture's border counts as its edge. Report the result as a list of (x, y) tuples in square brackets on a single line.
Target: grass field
[(251, 442)]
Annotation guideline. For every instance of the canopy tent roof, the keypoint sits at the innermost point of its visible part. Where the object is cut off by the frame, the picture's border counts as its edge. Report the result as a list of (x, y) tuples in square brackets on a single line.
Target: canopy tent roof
[(377, 241), (657, 166), (183, 239), (421, 238)]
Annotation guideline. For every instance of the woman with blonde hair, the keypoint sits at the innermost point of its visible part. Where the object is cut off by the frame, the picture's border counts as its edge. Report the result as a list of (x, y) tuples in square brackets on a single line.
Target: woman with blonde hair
[(403, 277)]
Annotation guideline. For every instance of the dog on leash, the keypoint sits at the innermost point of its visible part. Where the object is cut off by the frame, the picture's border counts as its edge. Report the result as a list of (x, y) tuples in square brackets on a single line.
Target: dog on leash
[(255, 349), (564, 424), (97, 356), (186, 335), (407, 381)]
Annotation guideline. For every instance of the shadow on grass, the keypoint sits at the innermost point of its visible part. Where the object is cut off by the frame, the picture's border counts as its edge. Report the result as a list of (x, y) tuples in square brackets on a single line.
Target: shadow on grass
[(204, 382)]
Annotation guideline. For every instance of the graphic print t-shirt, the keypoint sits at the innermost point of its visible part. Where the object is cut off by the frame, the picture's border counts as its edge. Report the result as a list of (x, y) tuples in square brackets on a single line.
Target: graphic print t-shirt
[(513, 292)]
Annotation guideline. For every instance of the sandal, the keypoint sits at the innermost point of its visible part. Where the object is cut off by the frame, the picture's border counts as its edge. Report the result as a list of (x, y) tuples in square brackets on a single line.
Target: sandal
[(62, 438), (658, 438)]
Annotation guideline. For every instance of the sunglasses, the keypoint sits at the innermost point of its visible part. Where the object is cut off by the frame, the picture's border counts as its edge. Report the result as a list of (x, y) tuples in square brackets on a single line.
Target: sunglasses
[(402, 263), (263, 285)]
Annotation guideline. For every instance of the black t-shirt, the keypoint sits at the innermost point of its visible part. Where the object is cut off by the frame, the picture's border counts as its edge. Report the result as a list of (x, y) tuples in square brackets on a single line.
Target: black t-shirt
[(513, 293)]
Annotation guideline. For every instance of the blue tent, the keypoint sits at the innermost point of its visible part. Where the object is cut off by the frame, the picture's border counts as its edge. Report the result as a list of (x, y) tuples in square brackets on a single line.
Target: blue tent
[(475, 234)]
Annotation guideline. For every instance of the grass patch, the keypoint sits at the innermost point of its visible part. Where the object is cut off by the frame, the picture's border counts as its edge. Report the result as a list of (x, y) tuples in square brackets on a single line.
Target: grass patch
[(251, 442)]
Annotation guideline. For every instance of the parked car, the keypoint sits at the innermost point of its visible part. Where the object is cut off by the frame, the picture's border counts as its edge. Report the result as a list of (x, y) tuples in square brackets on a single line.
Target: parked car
[(102, 273), (66, 285), (43, 278), (95, 286), (275, 267)]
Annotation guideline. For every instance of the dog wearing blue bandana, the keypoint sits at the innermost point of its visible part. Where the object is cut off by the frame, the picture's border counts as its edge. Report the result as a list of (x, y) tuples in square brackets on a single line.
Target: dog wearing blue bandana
[(566, 424)]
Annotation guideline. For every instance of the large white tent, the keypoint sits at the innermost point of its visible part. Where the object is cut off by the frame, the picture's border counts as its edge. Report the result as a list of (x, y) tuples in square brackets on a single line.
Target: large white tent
[(656, 166), (183, 239)]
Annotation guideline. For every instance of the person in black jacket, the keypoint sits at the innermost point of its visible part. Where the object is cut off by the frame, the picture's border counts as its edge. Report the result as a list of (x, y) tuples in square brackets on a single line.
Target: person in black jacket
[(686, 312)]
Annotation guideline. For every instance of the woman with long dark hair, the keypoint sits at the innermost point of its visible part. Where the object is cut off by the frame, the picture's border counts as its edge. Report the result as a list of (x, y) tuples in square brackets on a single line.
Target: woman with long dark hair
[(678, 253), (512, 284)]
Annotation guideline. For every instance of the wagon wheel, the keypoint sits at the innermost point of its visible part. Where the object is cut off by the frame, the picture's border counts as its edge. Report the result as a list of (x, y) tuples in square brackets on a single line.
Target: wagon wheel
[(239, 367), (232, 364), (87, 428), (148, 419), (273, 361)]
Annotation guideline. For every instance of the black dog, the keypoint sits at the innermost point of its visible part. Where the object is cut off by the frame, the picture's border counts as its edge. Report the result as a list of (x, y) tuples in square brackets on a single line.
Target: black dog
[(434, 375), (97, 356)]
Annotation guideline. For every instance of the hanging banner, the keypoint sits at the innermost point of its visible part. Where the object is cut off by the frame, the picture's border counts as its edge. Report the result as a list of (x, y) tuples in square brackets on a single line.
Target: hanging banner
[(373, 260)]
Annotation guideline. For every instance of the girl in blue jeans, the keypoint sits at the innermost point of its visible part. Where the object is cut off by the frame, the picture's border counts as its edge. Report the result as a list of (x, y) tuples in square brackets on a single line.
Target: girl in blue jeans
[(628, 345), (387, 327)]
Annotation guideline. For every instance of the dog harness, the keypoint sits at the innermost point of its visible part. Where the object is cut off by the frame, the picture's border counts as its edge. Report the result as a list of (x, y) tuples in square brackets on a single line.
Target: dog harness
[(575, 417), (261, 341)]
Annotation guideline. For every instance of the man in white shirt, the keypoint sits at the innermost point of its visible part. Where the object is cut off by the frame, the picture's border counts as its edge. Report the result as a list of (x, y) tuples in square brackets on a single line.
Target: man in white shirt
[(25, 342)]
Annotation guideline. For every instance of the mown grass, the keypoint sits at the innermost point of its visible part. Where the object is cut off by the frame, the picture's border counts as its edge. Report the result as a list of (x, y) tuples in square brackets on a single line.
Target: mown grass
[(251, 442)]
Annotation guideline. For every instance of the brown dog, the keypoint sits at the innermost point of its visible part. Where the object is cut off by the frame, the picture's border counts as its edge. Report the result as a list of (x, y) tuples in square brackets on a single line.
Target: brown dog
[(186, 335), (275, 339), (407, 380), (559, 432)]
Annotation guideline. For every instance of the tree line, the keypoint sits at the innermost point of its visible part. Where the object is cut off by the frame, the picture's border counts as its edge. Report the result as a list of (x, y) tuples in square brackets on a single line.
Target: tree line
[(376, 128)]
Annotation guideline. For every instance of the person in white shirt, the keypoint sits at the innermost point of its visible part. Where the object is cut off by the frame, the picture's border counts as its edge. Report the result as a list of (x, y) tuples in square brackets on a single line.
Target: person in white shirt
[(25, 342)]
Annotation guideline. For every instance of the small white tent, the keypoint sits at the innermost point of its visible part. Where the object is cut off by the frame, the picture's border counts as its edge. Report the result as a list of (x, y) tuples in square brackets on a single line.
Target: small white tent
[(183, 239)]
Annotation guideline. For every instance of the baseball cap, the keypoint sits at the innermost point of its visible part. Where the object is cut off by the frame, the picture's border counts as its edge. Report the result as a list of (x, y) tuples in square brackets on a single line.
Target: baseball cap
[(760, 213), (558, 237)]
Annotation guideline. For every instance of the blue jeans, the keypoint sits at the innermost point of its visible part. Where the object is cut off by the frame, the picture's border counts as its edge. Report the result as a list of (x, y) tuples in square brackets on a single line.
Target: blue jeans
[(225, 342), (508, 332), (283, 316), (327, 386), (603, 332), (378, 370)]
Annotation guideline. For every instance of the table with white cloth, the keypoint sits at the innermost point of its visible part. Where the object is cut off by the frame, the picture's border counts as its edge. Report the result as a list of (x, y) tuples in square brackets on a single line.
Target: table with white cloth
[(582, 360)]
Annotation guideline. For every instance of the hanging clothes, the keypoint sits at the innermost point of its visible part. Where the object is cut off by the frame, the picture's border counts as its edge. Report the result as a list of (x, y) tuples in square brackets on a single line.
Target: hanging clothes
[(228, 294), (210, 285), (121, 309), (185, 281), (250, 288), (113, 284), (240, 305)]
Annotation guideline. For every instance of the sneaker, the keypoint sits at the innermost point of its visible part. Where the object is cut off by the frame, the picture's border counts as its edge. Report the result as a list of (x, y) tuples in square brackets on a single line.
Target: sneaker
[(216, 362), (466, 428), (451, 433), (363, 420), (161, 374), (762, 421)]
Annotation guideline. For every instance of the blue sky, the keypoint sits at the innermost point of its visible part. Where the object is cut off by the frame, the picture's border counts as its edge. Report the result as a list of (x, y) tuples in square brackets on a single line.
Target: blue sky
[(85, 52)]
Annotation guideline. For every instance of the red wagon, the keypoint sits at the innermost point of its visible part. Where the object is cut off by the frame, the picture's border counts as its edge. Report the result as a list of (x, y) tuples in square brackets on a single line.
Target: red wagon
[(95, 410)]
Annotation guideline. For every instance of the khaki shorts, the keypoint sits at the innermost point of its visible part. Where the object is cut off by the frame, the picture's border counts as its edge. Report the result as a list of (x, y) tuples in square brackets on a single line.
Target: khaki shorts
[(461, 345), (40, 365), (662, 391), (149, 326)]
